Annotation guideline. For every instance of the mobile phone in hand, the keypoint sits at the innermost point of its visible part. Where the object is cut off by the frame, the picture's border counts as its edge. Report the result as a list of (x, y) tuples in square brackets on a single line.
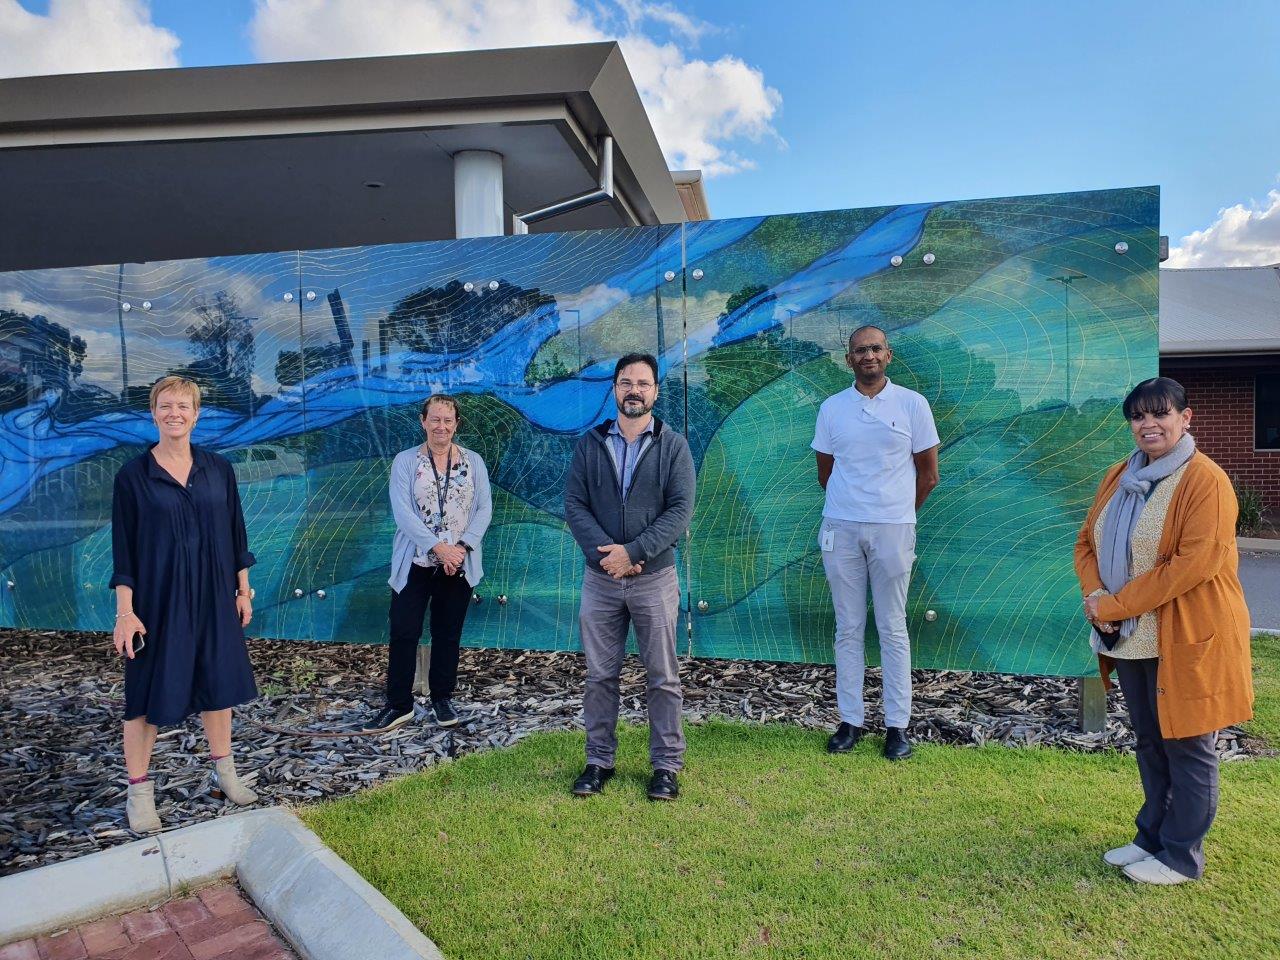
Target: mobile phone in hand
[(139, 641)]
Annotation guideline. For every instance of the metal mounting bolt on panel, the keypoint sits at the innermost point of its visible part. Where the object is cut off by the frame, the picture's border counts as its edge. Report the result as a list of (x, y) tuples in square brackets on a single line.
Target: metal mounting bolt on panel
[(502, 599), (669, 276), (476, 598), (288, 298), (320, 594), (311, 294), (703, 606), (928, 259), (698, 274), (896, 260), (931, 615), (10, 584), (493, 284), (297, 593), (1122, 248), (468, 286), (126, 306), (146, 304)]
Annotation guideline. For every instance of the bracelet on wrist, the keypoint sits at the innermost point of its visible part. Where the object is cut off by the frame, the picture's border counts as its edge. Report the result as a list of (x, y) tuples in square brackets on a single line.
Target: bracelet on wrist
[(121, 616)]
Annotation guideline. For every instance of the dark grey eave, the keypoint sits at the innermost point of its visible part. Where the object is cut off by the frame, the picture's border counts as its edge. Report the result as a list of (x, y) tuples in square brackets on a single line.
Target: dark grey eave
[(471, 100), (301, 87)]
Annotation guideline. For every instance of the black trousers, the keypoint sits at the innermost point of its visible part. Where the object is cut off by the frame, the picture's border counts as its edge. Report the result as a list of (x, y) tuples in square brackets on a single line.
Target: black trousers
[(1179, 777), (448, 599)]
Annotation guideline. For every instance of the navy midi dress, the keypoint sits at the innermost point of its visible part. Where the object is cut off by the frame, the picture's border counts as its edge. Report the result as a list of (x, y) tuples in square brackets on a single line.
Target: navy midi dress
[(180, 549)]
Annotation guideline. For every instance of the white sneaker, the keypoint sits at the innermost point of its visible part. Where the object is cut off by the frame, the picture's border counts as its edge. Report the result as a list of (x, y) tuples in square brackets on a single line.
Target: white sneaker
[(1152, 870), (1123, 856)]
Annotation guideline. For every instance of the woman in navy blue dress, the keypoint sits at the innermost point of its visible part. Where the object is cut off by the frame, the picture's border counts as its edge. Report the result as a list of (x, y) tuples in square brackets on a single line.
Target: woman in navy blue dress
[(181, 577)]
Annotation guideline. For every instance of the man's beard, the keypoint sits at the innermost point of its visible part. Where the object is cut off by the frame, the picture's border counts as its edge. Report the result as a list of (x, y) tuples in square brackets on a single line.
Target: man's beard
[(634, 414)]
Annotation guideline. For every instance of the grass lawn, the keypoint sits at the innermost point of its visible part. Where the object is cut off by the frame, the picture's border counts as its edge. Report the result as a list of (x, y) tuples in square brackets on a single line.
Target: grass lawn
[(776, 849)]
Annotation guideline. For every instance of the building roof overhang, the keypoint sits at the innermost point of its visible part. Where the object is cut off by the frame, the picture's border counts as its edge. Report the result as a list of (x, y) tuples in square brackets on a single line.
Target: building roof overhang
[(170, 164)]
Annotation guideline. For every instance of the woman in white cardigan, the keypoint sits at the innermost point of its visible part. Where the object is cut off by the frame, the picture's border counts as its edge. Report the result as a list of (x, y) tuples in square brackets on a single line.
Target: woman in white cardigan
[(442, 507)]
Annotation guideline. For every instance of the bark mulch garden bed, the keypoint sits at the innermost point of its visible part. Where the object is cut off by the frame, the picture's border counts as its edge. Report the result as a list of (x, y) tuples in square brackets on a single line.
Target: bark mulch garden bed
[(62, 785)]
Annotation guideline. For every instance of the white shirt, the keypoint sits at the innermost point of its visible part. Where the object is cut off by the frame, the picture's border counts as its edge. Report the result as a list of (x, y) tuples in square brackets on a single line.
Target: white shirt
[(872, 440)]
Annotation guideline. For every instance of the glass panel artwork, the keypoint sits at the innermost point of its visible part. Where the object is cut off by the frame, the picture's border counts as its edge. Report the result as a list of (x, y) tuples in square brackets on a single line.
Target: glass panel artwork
[(1017, 318)]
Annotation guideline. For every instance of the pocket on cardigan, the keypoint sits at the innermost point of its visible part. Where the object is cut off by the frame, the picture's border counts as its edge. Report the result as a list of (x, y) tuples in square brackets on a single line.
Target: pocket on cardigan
[(1199, 668)]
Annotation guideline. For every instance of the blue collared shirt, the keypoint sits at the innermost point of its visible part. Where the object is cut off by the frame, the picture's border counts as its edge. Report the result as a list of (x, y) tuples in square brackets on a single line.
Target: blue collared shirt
[(626, 453)]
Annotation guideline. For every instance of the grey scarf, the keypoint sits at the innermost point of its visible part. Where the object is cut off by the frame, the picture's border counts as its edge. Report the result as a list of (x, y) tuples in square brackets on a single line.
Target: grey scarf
[(1114, 554)]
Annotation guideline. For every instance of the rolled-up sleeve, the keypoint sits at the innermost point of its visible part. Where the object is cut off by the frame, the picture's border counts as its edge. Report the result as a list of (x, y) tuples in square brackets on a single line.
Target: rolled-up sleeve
[(124, 542), (239, 535)]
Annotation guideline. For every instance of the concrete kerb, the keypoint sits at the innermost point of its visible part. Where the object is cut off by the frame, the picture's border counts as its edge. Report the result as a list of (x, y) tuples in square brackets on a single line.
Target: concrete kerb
[(322, 907), (1257, 545)]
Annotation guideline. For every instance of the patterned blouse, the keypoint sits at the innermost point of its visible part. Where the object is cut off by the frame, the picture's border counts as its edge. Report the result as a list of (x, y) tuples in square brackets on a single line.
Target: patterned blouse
[(1143, 548), (458, 488)]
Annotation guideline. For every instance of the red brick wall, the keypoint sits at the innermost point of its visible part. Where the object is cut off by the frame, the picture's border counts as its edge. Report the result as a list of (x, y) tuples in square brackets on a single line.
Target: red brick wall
[(1221, 398)]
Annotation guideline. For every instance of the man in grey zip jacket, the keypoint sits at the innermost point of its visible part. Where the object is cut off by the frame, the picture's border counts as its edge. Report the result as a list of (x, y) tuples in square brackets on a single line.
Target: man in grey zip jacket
[(628, 499)]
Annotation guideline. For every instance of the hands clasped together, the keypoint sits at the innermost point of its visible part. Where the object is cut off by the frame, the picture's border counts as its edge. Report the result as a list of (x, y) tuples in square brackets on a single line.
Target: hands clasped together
[(1091, 614), (616, 563), (451, 556)]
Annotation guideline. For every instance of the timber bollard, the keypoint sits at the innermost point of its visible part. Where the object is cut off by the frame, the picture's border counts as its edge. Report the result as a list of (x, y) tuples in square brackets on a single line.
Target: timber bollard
[(1092, 704), (420, 687)]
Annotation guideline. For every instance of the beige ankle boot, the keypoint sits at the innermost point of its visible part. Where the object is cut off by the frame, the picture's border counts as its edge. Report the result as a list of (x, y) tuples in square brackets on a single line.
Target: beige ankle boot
[(141, 807), (227, 782)]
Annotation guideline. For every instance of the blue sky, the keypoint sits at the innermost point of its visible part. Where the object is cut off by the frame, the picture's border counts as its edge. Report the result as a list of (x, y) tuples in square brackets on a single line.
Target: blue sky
[(846, 104)]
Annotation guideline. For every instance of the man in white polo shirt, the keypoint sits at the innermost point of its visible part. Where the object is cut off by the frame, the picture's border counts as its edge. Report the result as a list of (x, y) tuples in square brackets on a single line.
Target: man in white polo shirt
[(877, 451)]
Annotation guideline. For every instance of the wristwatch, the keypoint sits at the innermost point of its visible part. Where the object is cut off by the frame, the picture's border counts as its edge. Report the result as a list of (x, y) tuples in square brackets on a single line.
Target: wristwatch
[(250, 593)]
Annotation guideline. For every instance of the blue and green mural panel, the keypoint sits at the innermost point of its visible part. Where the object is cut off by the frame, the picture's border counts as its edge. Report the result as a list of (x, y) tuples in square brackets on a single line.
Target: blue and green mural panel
[(1024, 332)]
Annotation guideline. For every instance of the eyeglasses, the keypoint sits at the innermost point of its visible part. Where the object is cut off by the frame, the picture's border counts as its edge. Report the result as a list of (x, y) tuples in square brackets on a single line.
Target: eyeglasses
[(644, 386), (873, 348)]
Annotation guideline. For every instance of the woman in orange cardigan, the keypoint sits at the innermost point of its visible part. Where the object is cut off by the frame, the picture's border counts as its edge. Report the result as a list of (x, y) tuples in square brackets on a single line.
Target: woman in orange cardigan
[(1157, 560)]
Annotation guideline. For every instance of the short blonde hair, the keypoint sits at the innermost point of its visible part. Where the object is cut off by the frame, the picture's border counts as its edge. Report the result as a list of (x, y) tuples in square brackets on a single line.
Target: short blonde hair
[(182, 384)]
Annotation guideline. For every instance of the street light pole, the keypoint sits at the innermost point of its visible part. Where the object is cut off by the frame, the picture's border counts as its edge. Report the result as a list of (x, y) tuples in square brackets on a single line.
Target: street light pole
[(1066, 280)]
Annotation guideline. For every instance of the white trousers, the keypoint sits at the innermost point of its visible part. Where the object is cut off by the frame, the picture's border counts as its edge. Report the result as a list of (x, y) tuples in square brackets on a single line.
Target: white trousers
[(853, 555)]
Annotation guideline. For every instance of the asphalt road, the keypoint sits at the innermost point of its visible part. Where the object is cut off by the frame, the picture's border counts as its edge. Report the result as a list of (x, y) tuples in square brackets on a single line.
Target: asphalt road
[(1260, 576)]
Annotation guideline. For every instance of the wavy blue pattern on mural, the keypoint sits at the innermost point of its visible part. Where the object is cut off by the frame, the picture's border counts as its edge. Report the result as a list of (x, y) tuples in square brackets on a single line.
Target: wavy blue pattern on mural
[(33, 443)]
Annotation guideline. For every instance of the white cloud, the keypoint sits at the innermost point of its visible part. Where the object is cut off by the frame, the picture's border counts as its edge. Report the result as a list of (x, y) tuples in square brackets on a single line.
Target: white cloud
[(699, 108), (1242, 236), (82, 36)]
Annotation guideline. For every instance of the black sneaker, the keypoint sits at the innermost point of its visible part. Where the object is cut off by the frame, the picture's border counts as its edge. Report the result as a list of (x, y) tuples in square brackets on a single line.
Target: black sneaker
[(446, 716), (592, 780), (388, 718)]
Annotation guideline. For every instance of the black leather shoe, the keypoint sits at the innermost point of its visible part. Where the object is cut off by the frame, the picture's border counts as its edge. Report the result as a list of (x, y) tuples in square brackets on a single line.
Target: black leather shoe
[(896, 744), (446, 716), (845, 738), (663, 786), (592, 780), (388, 718)]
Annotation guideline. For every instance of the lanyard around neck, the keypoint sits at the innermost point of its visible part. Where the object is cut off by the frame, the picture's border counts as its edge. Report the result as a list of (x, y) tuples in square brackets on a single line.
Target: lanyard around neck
[(441, 494)]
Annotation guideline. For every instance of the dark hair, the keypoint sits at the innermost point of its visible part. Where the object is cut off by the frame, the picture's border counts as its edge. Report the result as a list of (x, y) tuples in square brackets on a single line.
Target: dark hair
[(1156, 396), (628, 359), (868, 326), (444, 398)]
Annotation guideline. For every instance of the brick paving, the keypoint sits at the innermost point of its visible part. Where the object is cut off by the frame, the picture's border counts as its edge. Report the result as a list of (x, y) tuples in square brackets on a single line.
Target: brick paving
[(219, 923)]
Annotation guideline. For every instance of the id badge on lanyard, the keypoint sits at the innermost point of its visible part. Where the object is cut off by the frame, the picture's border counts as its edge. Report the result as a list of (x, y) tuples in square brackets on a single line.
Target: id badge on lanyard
[(442, 494)]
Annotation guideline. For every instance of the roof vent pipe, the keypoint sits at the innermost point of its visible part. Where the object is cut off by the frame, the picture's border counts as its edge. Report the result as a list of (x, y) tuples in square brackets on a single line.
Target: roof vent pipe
[(603, 191)]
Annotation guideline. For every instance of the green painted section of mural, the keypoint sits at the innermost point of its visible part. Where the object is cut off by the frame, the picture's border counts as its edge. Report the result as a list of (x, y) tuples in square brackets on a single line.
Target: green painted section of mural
[(1024, 333)]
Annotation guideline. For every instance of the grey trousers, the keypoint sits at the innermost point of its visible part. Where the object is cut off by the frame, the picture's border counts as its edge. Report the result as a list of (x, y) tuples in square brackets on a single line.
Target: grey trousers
[(1179, 777), (880, 554), (651, 603)]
